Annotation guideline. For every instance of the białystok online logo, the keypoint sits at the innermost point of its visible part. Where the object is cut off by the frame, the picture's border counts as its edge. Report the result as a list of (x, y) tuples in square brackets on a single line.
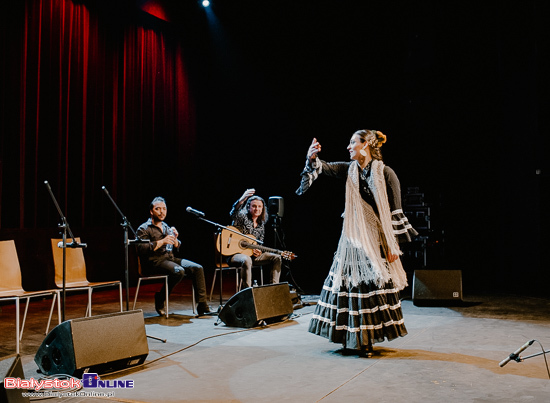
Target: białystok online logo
[(18, 383), (91, 380)]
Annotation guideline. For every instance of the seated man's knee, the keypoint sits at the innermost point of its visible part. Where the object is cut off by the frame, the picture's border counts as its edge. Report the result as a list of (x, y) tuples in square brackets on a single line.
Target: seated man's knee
[(241, 260), (179, 271)]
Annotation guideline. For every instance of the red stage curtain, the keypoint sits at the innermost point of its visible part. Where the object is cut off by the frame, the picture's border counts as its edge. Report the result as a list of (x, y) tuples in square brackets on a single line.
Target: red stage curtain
[(87, 101)]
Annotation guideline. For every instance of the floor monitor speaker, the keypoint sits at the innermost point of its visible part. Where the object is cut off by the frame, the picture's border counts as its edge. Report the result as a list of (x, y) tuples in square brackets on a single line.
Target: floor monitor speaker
[(11, 367), (269, 303), (99, 344), (432, 287), (276, 206)]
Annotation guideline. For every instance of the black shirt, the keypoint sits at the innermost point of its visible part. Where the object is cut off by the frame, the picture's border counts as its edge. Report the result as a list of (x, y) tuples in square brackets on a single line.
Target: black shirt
[(146, 251)]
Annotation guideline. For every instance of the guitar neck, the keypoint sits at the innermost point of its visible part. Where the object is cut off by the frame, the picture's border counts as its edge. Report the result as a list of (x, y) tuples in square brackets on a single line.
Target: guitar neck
[(264, 248), (232, 241), (285, 255)]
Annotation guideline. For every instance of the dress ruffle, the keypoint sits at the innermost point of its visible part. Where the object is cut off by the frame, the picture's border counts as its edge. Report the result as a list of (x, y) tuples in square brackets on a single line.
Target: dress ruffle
[(309, 175), (402, 229), (354, 316)]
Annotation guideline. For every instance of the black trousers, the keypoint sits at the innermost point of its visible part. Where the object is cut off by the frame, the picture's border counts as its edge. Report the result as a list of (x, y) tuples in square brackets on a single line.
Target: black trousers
[(176, 270)]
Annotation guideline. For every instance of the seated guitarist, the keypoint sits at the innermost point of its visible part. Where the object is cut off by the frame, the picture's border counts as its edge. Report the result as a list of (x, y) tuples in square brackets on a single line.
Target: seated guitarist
[(249, 216)]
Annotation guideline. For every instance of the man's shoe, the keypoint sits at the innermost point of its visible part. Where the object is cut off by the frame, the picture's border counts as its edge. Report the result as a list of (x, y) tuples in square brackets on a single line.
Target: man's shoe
[(159, 304), (204, 310)]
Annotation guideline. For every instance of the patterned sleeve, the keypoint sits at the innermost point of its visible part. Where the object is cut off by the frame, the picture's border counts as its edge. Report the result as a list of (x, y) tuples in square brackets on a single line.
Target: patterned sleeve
[(238, 215), (317, 166), (238, 219), (402, 229), (235, 209)]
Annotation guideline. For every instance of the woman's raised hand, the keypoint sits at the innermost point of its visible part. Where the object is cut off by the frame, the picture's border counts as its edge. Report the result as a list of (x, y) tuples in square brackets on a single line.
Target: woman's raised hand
[(314, 148)]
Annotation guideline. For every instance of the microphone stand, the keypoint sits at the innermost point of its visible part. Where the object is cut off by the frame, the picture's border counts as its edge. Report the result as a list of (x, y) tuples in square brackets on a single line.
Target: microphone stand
[(74, 244), (219, 229), (126, 225), (519, 358), (277, 238), (516, 357)]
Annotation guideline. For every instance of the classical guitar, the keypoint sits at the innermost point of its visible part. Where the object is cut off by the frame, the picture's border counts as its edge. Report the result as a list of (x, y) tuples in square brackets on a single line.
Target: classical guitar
[(232, 243)]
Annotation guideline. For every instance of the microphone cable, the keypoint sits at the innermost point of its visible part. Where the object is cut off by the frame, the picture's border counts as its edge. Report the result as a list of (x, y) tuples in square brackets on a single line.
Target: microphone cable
[(544, 355)]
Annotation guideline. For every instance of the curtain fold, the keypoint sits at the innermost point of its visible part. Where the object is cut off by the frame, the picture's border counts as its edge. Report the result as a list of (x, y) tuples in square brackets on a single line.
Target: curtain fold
[(86, 102)]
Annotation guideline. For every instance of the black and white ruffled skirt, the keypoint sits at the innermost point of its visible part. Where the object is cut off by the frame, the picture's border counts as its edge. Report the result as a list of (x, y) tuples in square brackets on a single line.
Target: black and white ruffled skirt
[(358, 316)]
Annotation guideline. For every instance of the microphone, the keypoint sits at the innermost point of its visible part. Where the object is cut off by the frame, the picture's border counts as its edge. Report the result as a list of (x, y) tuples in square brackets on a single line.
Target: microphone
[(139, 240), (515, 354), (194, 212), (72, 245)]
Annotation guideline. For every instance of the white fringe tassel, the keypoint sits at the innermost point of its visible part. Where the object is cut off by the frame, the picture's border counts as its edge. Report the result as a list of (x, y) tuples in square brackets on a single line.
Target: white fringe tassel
[(358, 258)]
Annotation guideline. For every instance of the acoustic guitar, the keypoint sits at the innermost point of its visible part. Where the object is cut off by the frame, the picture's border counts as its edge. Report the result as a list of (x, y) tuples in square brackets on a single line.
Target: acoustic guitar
[(233, 243)]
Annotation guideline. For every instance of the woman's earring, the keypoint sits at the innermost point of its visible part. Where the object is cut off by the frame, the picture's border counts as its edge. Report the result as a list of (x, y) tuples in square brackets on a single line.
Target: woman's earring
[(363, 152)]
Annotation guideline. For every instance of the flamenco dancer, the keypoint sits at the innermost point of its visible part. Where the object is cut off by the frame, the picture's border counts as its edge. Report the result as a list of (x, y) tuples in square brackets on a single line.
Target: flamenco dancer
[(359, 303)]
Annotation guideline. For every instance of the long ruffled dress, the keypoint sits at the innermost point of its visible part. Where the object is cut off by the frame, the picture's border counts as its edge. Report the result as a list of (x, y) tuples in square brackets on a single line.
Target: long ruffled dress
[(368, 313)]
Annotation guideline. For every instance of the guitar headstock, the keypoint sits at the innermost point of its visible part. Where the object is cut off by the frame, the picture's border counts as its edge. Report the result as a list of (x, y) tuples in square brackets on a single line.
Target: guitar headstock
[(288, 255)]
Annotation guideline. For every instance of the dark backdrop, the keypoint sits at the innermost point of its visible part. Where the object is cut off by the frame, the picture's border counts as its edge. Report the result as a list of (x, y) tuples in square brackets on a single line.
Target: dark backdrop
[(165, 98)]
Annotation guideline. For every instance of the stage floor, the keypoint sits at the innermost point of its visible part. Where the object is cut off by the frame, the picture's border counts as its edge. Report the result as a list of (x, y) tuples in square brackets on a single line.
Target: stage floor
[(451, 354)]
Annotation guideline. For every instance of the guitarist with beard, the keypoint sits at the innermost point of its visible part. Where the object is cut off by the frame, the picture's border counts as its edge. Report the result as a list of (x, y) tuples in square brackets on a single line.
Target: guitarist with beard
[(249, 216)]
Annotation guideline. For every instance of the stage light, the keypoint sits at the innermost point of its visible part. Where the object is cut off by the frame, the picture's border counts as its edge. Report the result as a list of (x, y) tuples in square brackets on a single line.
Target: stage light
[(205, 3)]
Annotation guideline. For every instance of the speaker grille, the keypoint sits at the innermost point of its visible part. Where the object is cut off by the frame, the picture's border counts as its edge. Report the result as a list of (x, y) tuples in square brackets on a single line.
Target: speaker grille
[(270, 303), (124, 333), (98, 344), (11, 367), (431, 286)]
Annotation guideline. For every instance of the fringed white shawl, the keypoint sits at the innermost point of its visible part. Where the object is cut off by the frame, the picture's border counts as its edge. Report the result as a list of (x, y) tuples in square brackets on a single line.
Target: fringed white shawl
[(358, 258)]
